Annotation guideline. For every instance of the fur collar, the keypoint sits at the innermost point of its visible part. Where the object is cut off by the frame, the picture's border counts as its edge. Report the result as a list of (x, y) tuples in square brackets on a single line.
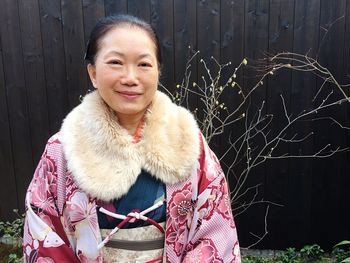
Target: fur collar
[(104, 161)]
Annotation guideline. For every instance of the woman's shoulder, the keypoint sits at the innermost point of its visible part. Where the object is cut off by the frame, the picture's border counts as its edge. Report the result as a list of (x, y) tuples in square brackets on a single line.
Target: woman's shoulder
[(54, 139), (53, 149), (210, 168)]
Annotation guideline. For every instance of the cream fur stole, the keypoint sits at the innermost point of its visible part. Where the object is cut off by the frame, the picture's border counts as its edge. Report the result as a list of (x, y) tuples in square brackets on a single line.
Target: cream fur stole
[(105, 162)]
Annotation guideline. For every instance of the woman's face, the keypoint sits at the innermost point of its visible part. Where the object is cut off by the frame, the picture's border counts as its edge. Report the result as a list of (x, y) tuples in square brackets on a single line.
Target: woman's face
[(126, 70)]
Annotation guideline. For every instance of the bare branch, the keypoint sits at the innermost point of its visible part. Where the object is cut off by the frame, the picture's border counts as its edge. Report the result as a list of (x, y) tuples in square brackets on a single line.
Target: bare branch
[(256, 143)]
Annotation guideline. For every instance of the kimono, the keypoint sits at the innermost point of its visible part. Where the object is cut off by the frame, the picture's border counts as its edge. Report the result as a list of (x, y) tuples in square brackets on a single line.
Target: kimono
[(93, 158)]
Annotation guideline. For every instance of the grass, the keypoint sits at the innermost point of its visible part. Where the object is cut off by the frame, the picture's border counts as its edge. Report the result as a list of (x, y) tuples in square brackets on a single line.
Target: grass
[(6, 250)]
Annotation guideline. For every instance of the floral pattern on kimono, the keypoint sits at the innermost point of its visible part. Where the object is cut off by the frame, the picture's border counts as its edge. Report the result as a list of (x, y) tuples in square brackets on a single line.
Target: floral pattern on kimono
[(61, 221)]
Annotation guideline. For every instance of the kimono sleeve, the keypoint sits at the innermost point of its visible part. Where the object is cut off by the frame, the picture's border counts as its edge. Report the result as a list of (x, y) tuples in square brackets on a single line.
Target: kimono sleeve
[(215, 237), (44, 238)]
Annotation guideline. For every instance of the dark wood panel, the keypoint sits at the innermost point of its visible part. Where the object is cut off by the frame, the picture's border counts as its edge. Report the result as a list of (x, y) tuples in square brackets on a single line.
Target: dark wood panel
[(306, 23), (185, 45), (328, 176), (34, 76), (332, 26), (346, 58), (256, 28), (42, 74), (345, 184), (7, 174), (93, 10), (232, 40), (16, 95), (232, 48), (185, 36), (162, 22), (140, 8), (74, 49), (208, 32), (281, 21), (54, 62), (345, 217), (232, 31), (113, 7), (255, 43), (208, 42)]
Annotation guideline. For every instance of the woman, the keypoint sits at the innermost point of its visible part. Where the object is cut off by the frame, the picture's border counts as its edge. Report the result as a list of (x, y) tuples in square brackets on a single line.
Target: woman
[(129, 177)]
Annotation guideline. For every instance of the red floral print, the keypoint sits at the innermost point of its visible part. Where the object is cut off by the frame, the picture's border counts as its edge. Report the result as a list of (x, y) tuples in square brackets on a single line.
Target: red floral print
[(202, 251)]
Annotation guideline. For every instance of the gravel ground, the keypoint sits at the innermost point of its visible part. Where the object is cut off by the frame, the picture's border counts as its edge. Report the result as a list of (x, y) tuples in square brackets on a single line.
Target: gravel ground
[(261, 253)]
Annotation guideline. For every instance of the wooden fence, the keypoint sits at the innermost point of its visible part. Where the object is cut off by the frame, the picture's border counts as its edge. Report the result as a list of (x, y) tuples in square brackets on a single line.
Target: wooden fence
[(42, 75)]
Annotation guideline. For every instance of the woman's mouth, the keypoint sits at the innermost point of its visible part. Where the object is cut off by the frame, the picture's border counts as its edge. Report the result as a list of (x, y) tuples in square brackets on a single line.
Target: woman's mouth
[(129, 94)]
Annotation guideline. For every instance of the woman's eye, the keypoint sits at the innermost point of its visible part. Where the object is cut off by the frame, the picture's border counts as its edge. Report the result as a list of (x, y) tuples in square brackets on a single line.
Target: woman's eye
[(115, 62), (145, 64)]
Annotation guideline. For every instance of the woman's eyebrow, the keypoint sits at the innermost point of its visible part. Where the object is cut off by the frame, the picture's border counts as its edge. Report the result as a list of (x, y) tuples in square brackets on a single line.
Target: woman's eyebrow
[(115, 52), (145, 55)]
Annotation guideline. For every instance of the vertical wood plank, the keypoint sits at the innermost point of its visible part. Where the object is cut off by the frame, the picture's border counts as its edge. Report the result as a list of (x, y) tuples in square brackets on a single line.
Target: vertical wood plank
[(93, 10), (54, 61), (7, 174), (306, 23), (232, 50), (345, 217), (113, 7), (256, 42), (346, 79), (34, 75), (281, 21), (74, 49), (185, 44), (162, 22), (17, 104), (208, 41), (232, 31), (140, 8), (208, 32), (232, 43), (327, 176), (346, 58), (256, 28)]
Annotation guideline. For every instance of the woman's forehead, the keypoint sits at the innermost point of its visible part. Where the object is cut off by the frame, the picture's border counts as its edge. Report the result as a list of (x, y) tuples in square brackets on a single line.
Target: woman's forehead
[(120, 34), (122, 39)]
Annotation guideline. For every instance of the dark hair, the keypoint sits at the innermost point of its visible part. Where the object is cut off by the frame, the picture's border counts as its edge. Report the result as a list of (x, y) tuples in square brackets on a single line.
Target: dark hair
[(104, 25)]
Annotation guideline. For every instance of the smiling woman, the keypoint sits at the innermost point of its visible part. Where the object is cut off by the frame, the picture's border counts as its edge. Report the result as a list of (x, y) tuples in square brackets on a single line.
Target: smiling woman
[(129, 177), (126, 72)]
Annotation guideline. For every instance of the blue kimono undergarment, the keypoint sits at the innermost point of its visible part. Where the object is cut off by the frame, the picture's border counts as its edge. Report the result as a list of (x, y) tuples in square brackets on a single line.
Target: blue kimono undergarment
[(146, 191)]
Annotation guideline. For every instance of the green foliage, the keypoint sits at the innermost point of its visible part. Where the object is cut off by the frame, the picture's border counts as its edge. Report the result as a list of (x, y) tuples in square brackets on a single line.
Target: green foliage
[(13, 258), (340, 253), (11, 239), (248, 260), (289, 256), (311, 251), (257, 260), (9, 253), (343, 243), (12, 231)]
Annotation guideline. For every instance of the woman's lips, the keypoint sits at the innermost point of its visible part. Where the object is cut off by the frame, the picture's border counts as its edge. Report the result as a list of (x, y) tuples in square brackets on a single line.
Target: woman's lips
[(129, 94)]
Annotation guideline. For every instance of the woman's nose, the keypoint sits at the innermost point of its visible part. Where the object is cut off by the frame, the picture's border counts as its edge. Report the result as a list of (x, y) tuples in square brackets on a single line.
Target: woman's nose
[(129, 77)]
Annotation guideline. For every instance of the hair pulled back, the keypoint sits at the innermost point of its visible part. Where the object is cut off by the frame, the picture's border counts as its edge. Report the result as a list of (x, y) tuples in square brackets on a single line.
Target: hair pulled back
[(108, 23)]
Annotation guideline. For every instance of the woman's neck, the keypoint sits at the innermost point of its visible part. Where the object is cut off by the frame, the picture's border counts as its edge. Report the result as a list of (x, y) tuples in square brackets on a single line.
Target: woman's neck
[(130, 122)]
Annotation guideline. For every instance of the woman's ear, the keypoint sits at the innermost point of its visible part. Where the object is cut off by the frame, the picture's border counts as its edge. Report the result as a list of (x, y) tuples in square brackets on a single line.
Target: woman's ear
[(92, 73)]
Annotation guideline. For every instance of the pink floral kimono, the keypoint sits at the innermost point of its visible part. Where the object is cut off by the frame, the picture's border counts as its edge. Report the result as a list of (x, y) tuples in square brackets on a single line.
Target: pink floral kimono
[(79, 168)]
